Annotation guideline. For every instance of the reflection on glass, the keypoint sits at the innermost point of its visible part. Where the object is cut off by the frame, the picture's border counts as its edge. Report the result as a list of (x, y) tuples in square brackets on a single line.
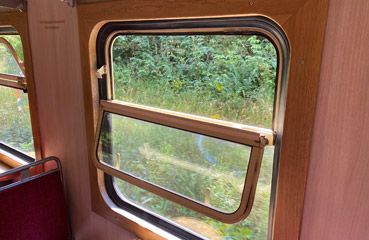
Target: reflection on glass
[(15, 122), (8, 64), (227, 77), (206, 169), (254, 227)]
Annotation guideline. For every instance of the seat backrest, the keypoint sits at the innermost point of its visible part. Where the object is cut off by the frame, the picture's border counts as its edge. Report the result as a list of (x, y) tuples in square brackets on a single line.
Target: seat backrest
[(34, 207)]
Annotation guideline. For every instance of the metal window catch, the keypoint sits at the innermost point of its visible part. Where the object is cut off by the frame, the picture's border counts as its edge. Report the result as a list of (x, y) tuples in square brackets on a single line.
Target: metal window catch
[(71, 3), (100, 72)]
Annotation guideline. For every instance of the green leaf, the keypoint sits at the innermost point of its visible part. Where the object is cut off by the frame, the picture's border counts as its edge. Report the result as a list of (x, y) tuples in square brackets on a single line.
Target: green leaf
[(219, 86)]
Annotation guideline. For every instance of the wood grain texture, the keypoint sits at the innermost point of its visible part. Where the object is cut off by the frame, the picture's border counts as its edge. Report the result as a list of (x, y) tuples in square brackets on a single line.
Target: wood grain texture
[(20, 22), (55, 48), (304, 24), (306, 30), (336, 205)]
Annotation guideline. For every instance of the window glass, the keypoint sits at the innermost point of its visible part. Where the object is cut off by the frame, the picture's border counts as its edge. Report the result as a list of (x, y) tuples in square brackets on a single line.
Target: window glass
[(227, 77), (254, 227), (206, 169), (8, 64), (15, 122)]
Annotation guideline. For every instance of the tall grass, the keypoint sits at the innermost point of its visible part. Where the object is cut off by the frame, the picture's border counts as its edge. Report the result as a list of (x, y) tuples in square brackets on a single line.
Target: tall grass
[(253, 228), (257, 111)]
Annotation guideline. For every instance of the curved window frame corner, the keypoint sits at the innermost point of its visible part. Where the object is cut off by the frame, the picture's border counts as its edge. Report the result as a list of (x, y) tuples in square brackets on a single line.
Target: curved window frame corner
[(246, 25)]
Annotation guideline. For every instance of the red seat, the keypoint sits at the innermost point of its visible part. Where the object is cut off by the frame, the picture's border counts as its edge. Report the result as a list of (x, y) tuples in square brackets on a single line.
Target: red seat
[(35, 206)]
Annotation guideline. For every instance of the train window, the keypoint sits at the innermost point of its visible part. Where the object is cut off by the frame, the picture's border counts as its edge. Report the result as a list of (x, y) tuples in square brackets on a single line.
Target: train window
[(187, 111), (15, 122)]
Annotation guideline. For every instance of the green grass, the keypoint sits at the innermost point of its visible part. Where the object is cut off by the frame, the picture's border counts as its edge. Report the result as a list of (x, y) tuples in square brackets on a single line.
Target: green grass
[(237, 109), (254, 227), (170, 157)]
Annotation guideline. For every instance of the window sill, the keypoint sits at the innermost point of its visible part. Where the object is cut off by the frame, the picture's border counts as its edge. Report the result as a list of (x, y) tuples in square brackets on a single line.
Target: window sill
[(161, 234), (103, 205), (4, 167), (11, 160)]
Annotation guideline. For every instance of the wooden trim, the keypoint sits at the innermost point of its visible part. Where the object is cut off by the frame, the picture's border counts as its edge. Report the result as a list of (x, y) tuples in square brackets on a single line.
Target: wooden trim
[(19, 21), (187, 122), (11, 160), (306, 33), (12, 81), (303, 22), (4, 168)]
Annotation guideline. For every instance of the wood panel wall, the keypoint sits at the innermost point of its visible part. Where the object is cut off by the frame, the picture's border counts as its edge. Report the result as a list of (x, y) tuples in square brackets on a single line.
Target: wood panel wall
[(54, 39), (58, 81), (304, 23), (337, 196)]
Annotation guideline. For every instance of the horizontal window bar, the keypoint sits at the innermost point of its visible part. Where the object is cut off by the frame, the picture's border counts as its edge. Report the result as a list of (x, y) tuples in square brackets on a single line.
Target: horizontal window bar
[(13, 81), (239, 133)]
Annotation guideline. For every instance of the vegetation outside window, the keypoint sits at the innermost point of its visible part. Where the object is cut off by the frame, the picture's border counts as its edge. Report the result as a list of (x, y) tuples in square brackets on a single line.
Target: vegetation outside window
[(187, 108), (15, 123)]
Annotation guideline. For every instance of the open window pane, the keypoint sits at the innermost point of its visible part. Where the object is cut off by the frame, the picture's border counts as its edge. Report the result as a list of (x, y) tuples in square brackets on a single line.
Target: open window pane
[(8, 64), (15, 122), (227, 77), (202, 168)]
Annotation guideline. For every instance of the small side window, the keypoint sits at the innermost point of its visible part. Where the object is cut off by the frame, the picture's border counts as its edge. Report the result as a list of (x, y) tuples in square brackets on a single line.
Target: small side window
[(187, 110)]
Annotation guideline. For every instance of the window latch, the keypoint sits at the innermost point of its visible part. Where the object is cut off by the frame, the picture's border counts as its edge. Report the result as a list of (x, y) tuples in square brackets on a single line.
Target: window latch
[(100, 72)]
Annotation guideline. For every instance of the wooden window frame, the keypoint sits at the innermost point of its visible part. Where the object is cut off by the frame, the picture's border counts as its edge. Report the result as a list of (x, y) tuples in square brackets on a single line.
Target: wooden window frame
[(19, 21), (303, 21), (223, 26)]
